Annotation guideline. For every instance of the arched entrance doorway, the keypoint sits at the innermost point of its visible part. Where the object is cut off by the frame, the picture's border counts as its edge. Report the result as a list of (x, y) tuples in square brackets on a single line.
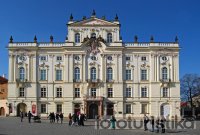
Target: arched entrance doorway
[(21, 107), (165, 110), (2, 111), (93, 111)]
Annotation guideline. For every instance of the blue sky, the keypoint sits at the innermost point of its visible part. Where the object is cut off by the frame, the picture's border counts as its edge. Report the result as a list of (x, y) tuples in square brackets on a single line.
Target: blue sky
[(164, 19)]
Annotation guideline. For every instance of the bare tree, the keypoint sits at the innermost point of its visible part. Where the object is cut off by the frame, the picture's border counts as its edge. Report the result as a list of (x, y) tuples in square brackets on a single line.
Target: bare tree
[(190, 84)]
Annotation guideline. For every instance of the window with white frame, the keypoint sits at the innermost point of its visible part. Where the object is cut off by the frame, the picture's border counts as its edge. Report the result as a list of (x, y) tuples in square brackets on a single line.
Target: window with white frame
[(110, 92), (43, 74), (144, 108), (128, 74), (128, 108), (77, 38), (143, 74), (143, 58), (43, 58), (21, 74), (21, 92), (93, 73), (77, 92), (165, 92), (93, 92), (43, 92), (58, 75), (128, 92), (43, 108), (144, 92), (58, 58), (164, 73), (77, 73), (109, 38), (59, 92), (109, 74), (59, 108)]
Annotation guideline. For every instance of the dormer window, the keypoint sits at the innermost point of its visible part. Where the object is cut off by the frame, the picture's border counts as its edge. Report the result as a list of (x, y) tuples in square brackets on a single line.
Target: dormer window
[(93, 35), (144, 58), (59, 58), (43, 58), (109, 38), (93, 57), (77, 38)]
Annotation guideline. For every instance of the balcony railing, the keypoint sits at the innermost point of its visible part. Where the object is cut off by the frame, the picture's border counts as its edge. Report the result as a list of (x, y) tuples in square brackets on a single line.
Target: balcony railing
[(93, 98), (93, 80), (77, 80), (110, 81)]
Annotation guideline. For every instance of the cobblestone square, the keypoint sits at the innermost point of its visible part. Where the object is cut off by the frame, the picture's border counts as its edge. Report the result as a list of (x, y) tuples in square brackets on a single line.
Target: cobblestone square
[(13, 126)]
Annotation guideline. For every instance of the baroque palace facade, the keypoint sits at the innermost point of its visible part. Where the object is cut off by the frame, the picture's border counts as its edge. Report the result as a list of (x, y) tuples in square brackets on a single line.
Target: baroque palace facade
[(94, 72)]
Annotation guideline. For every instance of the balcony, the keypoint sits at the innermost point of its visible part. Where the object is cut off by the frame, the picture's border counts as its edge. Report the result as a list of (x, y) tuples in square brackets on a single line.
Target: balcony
[(93, 80), (93, 98), (110, 81), (77, 80)]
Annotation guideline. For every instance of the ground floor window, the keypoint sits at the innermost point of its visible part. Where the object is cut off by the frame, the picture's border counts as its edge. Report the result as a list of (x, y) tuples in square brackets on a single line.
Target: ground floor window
[(77, 92), (144, 108), (128, 108), (43, 108), (59, 108)]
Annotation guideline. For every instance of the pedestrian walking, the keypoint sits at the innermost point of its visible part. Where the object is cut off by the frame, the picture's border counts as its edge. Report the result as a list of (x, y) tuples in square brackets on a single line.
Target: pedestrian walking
[(162, 124), (57, 117), (61, 118), (53, 117), (152, 123), (74, 119), (70, 119), (29, 117), (146, 120), (157, 125), (113, 121), (21, 116), (82, 117)]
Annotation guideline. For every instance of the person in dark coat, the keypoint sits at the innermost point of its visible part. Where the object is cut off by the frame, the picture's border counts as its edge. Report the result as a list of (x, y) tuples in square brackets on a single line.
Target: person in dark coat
[(146, 120), (61, 117), (53, 117), (29, 117), (70, 119), (21, 116), (152, 123), (74, 119), (82, 117), (157, 125), (57, 117), (162, 124)]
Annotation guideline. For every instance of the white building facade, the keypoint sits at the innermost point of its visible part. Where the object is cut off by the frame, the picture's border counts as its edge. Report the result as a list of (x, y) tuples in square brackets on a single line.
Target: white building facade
[(94, 72)]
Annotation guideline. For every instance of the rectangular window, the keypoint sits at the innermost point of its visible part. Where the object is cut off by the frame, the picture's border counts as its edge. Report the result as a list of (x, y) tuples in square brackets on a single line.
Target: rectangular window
[(43, 108), (143, 74), (77, 92), (21, 92), (58, 75), (165, 92), (43, 58), (43, 74), (59, 92), (59, 58), (144, 108), (59, 108), (143, 58), (110, 92), (128, 108), (128, 58), (128, 92), (144, 92), (128, 74), (93, 92), (43, 92)]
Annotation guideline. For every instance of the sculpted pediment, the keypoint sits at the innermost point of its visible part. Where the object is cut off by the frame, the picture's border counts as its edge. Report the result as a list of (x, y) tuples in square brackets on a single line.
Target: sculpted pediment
[(93, 22)]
